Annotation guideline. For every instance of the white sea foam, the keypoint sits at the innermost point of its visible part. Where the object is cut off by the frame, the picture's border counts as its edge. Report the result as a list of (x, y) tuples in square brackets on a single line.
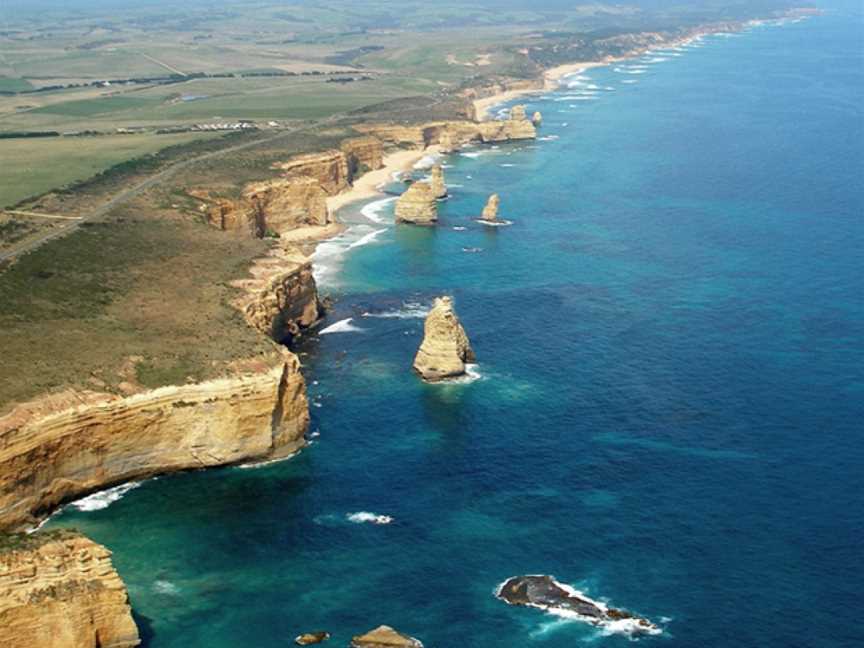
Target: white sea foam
[(342, 326), (373, 211), (472, 374), (426, 162), (267, 462), (165, 587), (366, 239), (507, 165), (365, 517), (630, 81), (103, 499), (408, 310), (459, 228), (498, 223), (548, 138), (472, 250)]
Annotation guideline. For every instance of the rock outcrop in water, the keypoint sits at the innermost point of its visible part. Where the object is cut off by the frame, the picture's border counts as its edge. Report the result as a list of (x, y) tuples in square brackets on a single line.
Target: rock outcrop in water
[(537, 119), (281, 298), (60, 590), (445, 349), (311, 638), (490, 211), (417, 205), (62, 448), (439, 187), (546, 593), (329, 168), (385, 637)]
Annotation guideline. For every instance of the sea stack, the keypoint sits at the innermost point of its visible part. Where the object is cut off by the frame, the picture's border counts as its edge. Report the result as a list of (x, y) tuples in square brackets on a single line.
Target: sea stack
[(490, 211), (537, 119), (445, 349), (517, 113), (439, 188), (417, 205), (385, 637)]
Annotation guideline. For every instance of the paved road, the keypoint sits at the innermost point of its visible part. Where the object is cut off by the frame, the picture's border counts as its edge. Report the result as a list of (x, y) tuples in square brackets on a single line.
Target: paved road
[(134, 190)]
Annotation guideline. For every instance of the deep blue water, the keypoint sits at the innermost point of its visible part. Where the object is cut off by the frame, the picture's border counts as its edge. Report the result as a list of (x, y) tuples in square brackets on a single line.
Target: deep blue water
[(669, 414)]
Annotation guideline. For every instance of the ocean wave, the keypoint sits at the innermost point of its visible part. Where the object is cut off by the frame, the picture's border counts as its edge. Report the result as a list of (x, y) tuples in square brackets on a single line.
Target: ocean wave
[(373, 211), (365, 517), (472, 250), (476, 154), (507, 165), (408, 310), (268, 462), (342, 326), (104, 499), (366, 239), (498, 223), (548, 138), (165, 587), (426, 162), (459, 228), (472, 374), (630, 81)]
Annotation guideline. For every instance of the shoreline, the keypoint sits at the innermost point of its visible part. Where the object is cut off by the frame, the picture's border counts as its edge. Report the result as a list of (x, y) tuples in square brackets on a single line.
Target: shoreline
[(367, 185)]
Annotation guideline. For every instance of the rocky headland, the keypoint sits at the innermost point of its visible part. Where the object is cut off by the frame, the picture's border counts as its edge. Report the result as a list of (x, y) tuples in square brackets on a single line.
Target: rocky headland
[(417, 205), (67, 446), (385, 637), (60, 590), (546, 593), (445, 349)]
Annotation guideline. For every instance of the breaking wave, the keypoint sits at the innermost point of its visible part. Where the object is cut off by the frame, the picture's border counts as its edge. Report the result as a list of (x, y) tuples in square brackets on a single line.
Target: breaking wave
[(342, 326), (103, 499)]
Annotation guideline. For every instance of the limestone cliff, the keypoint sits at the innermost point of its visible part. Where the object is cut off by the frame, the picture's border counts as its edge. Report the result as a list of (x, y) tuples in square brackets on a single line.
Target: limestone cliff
[(52, 452), (363, 154), (417, 205), (445, 349), (284, 204), (60, 590), (385, 637), (329, 168), (490, 211), (281, 298), (453, 134), (228, 215), (439, 187)]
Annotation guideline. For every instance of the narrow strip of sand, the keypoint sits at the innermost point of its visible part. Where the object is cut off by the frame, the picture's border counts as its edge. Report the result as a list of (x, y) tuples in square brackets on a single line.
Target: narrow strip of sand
[(367, 185)]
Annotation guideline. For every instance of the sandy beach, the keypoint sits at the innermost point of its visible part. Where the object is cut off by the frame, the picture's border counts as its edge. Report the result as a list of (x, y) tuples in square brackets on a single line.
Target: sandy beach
[(367, 185)]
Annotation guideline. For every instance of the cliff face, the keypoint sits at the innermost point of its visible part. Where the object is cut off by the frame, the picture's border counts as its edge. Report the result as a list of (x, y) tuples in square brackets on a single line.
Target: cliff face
[(285, 204), (417, 205), (363, 152), (60, 590), (445, 348), (281, 298), (52, 453), (453, 134), (329, 168)]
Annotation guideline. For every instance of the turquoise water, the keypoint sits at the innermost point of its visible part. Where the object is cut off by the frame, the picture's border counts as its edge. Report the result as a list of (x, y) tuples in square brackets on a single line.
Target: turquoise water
[(669, 403)]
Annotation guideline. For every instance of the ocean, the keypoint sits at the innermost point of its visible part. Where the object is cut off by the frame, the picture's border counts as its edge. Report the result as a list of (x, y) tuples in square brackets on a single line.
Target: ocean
[(667, 408)]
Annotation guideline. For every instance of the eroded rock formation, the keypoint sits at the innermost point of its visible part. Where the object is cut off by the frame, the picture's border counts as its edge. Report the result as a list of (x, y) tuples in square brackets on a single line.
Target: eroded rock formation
[(385, 637), (417, 205), (311, 638), (60, 590), (329, 168), (490, 211), (439, 187), (445, 349), (52, 452), (537, 119), (363, 154), (283, 204), (546, 593), (281, 298)]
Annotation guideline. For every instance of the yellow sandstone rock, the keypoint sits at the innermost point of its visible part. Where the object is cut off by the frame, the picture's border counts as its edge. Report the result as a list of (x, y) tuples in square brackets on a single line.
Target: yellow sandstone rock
[(417, 205), (363, 153), (490, 211), (60, 590), (537, 119), (284, 204), (329, 168), (50, 453), (439, 187), (445, 349), (385, 637)]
